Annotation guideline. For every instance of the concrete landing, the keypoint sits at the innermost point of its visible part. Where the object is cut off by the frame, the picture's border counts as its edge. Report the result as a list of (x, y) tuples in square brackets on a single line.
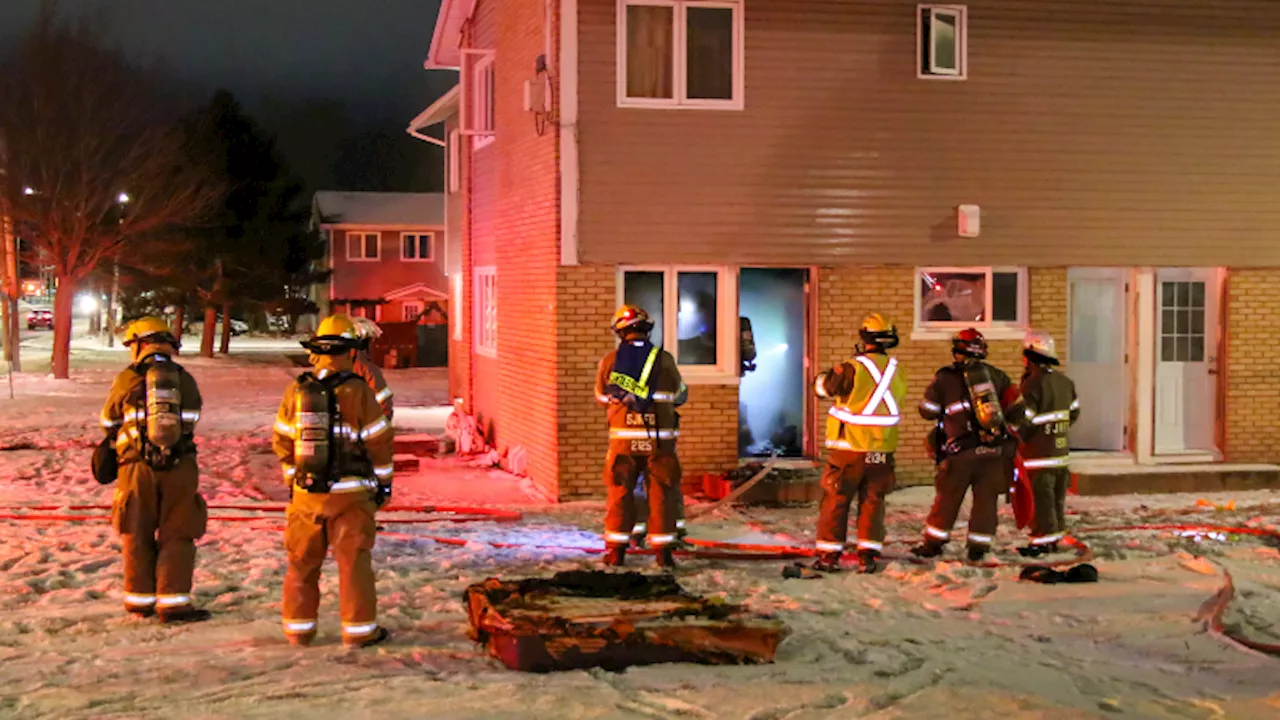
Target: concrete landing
[(1125, 478)]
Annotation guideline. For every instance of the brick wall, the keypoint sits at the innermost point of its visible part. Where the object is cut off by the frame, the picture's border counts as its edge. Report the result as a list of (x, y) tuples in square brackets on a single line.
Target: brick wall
[(526, 226), (846, 294), (1252, 390)]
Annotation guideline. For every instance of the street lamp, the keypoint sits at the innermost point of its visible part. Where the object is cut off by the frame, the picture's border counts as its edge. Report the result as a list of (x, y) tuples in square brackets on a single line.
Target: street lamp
[(28, 191), (123, 198)]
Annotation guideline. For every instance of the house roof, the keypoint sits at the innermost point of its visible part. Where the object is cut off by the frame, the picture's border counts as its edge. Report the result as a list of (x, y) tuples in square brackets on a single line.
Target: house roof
[(439, 111), (446, 42), (378, 209)]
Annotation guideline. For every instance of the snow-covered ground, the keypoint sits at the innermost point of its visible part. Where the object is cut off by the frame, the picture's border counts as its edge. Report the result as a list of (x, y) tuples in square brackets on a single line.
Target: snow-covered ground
[(947, 641)]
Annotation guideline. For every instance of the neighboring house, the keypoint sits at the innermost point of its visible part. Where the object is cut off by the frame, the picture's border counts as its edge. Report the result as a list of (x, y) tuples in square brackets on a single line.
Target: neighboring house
[(388, 255), (1102, 171)]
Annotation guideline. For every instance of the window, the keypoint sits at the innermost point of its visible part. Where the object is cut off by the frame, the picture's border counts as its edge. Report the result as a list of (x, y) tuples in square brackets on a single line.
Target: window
[(693, 315), (486, 308), (943, 33), (417, 247), (680, 54), (1182, 309), (478, 94), (455, 308), (363, 246), (949, 299), (410, 311), (455, 161)]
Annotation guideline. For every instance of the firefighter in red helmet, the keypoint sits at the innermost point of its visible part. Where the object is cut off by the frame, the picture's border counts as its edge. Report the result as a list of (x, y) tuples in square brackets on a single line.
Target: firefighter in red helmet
[(641, 388), (969, 401)]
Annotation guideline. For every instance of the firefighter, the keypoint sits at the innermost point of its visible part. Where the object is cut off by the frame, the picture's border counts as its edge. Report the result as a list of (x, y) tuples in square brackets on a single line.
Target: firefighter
[(862, 435), (641, 387), (368, 331), (336, 447), (971, 400), (151, 412), (1051, 409)]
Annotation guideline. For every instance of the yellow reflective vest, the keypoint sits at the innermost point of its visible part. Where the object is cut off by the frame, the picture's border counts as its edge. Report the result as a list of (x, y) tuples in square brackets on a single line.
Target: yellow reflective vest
[(868, 394)]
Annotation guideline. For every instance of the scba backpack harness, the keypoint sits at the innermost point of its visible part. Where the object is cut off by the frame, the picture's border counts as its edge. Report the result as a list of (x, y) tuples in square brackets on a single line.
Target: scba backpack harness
[(162, 439), (323, 447)]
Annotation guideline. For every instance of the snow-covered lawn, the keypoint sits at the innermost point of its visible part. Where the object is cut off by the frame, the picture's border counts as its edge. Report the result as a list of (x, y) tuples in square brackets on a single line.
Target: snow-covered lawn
[(947, 641)]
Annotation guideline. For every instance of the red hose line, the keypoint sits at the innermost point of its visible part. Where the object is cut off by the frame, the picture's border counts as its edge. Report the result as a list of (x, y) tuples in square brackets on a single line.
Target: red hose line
[(490, 514)]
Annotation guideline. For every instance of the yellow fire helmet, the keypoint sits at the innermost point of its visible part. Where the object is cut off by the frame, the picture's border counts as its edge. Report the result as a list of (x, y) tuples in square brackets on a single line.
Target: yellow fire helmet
[(335, 336), (149, 329), (877, 329)]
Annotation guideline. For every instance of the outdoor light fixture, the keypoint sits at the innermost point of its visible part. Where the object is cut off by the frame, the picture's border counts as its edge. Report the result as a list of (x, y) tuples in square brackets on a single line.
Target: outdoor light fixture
[(87, 304), (28, 191), (123, 198)]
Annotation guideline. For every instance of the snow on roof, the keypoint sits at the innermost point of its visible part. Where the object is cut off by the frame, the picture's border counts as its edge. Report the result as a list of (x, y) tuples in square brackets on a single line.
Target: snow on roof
[(379, 208)]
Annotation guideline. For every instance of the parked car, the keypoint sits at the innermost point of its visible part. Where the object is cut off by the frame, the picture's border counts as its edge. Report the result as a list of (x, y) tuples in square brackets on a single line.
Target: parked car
[(238, 327), (40, 319)]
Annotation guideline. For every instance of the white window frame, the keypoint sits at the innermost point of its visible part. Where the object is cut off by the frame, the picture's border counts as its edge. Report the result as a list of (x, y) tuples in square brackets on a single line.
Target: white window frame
[(417, 305), (933, 72), (431, 245), (680, 63), (991, 329), (455, 161), (725, 371), (485, 294), (478, 118), (364, 235)]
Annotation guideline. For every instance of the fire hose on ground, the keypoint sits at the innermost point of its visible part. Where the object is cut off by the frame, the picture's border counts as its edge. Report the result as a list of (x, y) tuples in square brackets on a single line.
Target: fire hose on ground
[(1211, 612)]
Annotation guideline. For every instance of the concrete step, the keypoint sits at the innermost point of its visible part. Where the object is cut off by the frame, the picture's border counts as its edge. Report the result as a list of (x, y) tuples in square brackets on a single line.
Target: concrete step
[(419, 445), (407, 463), (1130, 478)]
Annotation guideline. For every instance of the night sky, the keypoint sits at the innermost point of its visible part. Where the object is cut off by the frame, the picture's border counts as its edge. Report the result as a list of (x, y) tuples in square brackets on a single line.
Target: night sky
[(336, 80)]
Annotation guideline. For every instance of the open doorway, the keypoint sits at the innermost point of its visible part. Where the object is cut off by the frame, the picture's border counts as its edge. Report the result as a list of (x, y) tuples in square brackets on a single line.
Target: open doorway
[(772, 401)]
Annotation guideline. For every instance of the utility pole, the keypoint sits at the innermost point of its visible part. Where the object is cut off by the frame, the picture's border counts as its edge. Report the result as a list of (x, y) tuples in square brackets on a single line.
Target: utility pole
[(9, 285)]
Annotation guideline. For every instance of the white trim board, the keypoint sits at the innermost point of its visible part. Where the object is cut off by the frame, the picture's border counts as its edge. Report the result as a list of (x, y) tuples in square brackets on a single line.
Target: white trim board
[(570, 188)]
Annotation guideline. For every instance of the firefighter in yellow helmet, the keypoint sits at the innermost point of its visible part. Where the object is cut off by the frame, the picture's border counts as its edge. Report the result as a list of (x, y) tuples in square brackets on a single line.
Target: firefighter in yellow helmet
[(1051, 409), (368, 331), (336, 447), (641, 388), (150, 418), (862, 435)]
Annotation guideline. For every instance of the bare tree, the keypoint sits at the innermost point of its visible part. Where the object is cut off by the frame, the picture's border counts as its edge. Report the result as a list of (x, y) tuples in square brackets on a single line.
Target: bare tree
[(98, 162)]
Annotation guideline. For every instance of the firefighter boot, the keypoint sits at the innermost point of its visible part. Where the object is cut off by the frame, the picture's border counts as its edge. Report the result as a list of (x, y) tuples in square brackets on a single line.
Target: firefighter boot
[(666, 558), (615, 555), (377, 636), (867, 561), (1035, 551), (977, 553), (185, 615), (828, 562), (930, 548)]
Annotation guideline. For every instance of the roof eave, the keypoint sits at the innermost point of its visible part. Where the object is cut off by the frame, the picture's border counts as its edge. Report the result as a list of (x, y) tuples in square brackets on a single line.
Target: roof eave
[(445, 51), (445, 107)]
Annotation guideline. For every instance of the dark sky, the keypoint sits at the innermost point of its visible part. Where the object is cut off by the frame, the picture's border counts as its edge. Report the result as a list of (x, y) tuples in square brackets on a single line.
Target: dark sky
[(336, 80)]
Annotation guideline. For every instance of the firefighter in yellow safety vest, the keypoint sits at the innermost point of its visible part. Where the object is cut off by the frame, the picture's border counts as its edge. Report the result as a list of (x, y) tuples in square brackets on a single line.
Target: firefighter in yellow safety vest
[(862, 435), (335, 447), (150, 418)]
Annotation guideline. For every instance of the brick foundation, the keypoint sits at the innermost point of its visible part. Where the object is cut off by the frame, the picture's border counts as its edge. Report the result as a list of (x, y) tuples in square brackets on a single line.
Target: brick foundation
[(1251, 388)]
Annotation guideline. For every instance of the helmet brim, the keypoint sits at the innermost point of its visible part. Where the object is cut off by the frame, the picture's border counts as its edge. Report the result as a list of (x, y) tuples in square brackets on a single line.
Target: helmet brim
[(329, 345)]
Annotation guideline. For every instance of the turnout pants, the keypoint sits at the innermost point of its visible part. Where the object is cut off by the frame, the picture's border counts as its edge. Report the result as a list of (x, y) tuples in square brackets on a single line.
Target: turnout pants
[(986, 471), (315, 523), (662, 485), (159, 516), (866, 477), (1049, 485), (641, 527)]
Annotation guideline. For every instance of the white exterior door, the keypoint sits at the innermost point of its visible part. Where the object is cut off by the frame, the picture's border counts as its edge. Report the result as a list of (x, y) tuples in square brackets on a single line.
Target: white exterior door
[(1097, 356), (1186, 353)]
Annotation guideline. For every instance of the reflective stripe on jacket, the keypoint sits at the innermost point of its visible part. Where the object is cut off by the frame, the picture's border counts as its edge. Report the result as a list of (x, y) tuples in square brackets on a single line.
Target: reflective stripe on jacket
[(372, 374), (868, 392), (1051, 408)]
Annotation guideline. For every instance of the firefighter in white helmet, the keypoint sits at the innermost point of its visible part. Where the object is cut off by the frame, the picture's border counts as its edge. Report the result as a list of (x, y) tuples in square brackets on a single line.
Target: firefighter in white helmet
[(368, 331), (862, 435), (336, 448), (150, 418), (1051, 409)]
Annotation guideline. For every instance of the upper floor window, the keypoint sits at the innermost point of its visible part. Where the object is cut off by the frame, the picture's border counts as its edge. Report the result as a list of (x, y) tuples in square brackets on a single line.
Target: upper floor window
[(478, 118), (942, 32), (363, 246), (950, 299), (680, 54), (417, 247)]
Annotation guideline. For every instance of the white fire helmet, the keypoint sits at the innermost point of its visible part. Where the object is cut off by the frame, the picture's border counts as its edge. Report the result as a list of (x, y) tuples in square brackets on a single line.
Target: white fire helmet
[(366, 328), (1040, 343)]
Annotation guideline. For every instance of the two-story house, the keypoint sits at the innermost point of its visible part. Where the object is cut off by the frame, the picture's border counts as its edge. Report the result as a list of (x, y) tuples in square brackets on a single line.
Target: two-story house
[(385, 252), (1102, 171)]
